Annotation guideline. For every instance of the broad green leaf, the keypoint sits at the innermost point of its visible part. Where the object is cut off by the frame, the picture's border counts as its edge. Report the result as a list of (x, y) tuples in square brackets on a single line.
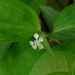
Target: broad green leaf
[(60, 73), (34, 4), (73, 73), (46, 44), (49, 15), (64, 26), (58, 4), (20, 59), (67, 46), (3, 48), (18, 21), (63, 61)]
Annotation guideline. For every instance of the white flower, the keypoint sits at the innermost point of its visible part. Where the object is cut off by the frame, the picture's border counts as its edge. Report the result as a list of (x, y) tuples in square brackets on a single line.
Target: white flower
[(37, 42)]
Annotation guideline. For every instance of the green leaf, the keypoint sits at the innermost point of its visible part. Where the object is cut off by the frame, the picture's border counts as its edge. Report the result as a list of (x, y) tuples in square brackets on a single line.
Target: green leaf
[(20, 59), (49, 64), (63, 61), (3, 48), (68, 46), (60, 73), (73, 73), (49, 15), (17, 22), (64, 26), (34, 4), (46, 44)]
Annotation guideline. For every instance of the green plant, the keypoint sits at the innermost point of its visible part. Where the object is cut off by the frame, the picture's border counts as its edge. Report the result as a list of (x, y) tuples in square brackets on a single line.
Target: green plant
[(25, 45)]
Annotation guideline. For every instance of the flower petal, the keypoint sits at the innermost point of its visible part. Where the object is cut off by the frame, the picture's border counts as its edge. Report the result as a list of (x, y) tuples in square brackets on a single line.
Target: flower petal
[(40, 46), (31, 42), (36, 35), (34, 46), (41, 39)]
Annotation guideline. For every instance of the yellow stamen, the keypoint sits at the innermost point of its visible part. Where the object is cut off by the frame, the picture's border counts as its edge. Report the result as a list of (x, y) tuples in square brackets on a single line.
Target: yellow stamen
[(38, 50)]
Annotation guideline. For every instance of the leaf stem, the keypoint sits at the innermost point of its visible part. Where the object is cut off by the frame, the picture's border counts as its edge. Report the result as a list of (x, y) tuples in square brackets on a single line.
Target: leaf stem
[(52, 39), (57, 41)]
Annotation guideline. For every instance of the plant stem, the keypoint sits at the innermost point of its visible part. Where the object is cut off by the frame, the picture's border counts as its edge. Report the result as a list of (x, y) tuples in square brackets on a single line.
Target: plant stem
[(55, 40), (58, 42), (52, 39)]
